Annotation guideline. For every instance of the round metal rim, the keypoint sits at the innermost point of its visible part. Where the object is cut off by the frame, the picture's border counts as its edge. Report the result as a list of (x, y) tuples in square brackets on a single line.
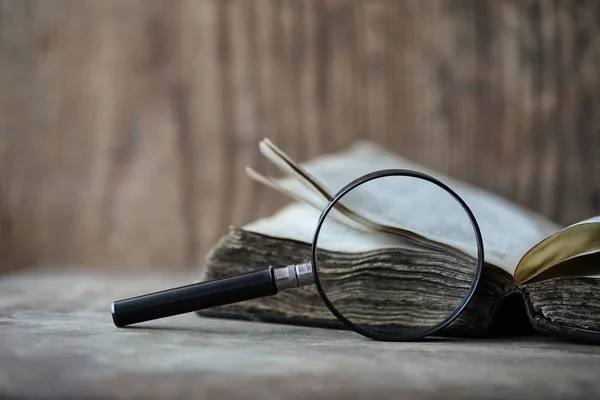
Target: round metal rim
[(420, 334)]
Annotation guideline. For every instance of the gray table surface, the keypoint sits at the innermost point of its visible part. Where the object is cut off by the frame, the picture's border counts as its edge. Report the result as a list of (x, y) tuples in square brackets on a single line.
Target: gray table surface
[(57, 340)]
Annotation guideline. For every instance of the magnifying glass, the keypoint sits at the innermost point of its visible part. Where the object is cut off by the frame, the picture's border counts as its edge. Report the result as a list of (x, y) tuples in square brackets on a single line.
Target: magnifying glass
[(413, 288)]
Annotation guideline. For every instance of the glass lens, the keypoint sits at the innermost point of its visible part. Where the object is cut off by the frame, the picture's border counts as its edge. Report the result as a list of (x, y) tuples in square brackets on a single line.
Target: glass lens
[(396, 256)]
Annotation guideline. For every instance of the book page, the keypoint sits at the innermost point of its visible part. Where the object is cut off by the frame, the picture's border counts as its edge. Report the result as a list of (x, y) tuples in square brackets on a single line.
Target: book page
[(304, 187), (577, 240), (298, 221), (508, 230)]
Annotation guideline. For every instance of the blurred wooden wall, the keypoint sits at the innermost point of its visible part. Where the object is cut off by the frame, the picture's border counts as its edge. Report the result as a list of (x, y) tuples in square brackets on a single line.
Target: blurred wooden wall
[(126, 125)]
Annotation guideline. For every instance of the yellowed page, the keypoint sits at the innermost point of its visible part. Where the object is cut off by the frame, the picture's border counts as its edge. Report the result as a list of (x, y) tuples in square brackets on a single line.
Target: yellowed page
[(576, 240)]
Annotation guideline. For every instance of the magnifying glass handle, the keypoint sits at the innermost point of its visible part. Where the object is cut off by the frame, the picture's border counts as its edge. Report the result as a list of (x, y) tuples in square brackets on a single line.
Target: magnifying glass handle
[(194, 297)]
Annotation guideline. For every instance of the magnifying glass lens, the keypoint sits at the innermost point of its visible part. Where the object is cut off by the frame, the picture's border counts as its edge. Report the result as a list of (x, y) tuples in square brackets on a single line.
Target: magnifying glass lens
[(397, 257)]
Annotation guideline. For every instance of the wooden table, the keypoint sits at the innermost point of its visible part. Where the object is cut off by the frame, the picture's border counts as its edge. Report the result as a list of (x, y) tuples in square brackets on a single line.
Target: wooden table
[(57, 340)]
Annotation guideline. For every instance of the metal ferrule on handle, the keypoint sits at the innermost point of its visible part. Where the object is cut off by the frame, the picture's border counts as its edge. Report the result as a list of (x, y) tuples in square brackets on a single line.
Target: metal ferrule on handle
[(293, 276)]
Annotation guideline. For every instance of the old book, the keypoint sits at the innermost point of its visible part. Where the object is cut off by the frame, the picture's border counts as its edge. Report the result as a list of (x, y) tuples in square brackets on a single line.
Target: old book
[(537, 274)]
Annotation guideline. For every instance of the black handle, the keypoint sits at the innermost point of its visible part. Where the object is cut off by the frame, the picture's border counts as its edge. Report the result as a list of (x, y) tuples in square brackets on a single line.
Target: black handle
[(197, 296)]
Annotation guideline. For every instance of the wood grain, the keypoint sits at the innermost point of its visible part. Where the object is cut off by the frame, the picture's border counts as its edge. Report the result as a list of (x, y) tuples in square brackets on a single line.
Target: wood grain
[(125, 126), (68, 348)]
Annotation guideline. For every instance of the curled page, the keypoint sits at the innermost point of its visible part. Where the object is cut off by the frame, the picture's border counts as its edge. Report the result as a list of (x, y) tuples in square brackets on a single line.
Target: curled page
[(577, 240)]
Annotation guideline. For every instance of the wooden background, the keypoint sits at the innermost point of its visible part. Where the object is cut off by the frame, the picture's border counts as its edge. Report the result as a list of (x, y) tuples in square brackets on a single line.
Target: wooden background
[(125, 126)]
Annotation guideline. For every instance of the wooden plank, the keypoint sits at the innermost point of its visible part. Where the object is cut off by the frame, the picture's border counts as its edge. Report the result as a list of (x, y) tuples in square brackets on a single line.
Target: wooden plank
[(125, 127), (58, 341)]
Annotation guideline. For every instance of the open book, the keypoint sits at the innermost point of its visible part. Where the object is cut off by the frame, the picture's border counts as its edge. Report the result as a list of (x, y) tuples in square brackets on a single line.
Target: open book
[(534, 270)]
